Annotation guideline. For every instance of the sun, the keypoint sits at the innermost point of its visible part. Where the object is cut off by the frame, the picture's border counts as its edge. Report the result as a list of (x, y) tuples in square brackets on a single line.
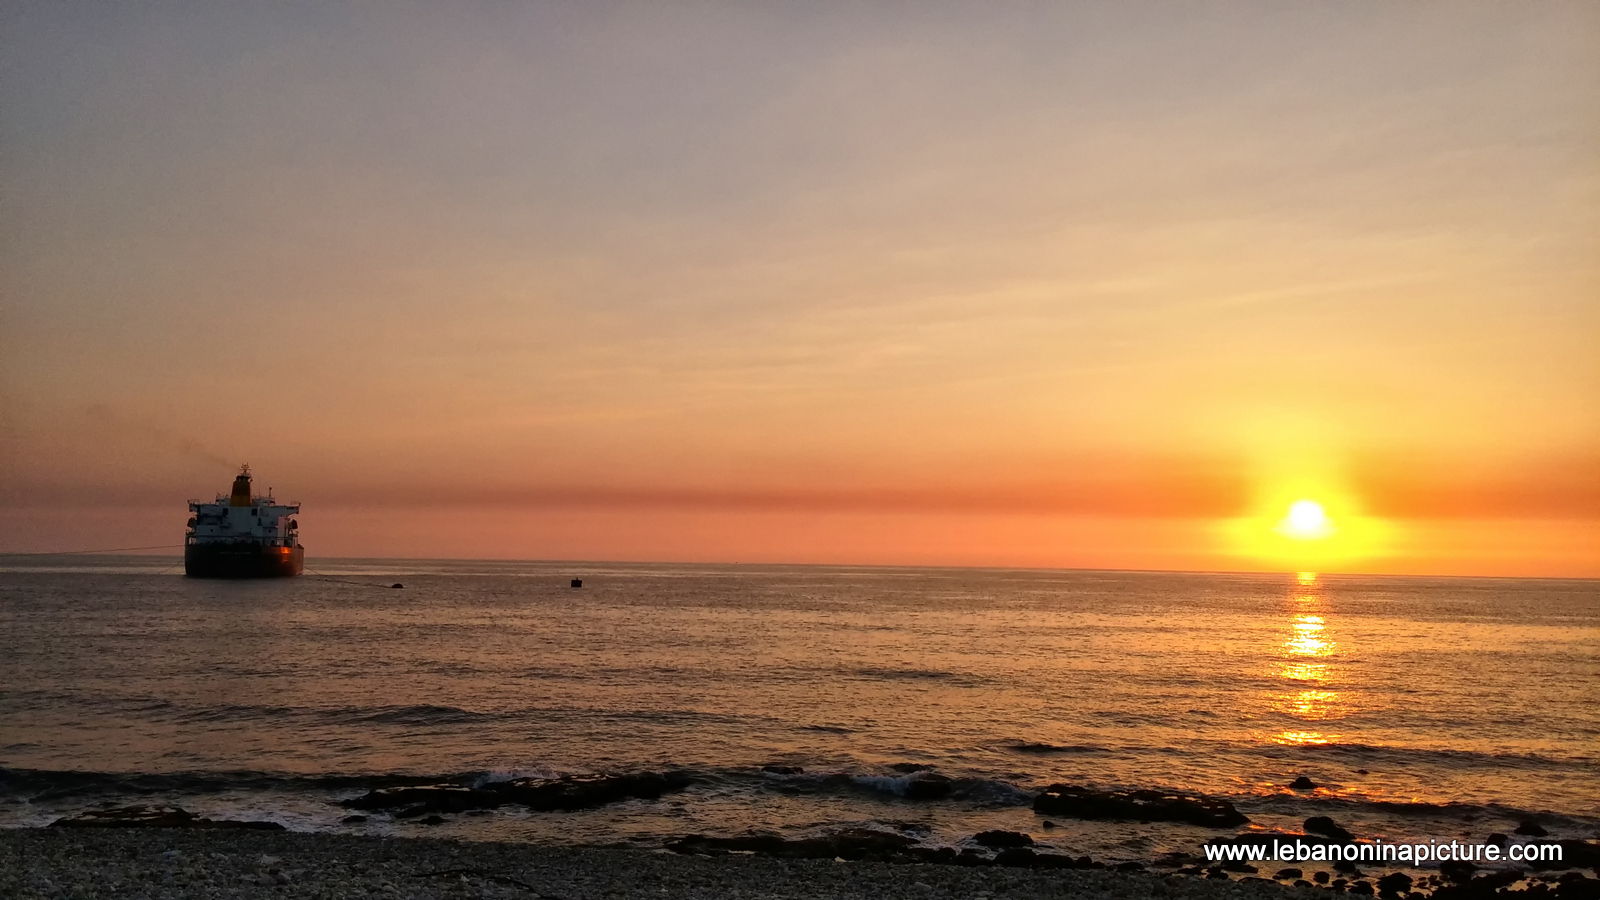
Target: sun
[(1306, 520)]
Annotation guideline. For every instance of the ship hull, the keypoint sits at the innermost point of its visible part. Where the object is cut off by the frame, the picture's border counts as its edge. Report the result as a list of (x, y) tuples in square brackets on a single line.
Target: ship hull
[(242, 560)]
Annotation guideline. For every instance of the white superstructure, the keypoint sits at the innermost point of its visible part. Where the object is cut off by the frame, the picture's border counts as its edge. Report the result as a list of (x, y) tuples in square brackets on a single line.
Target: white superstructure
[(241, 517)]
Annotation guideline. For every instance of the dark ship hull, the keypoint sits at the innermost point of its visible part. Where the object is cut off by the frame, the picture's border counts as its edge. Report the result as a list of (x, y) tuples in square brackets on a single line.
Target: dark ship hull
[(242, 560)]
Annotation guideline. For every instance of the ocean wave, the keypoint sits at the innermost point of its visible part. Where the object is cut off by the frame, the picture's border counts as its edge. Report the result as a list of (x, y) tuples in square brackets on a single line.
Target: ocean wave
[(879, 673), (1040, 747), (421, 714), (1374, 752)]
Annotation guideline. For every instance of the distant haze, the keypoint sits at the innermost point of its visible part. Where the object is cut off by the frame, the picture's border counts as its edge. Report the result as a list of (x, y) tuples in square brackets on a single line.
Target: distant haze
[(1013, 284)]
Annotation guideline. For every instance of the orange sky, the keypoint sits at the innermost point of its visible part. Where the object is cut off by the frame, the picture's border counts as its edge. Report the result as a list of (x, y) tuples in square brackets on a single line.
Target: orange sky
[(1106, 286)]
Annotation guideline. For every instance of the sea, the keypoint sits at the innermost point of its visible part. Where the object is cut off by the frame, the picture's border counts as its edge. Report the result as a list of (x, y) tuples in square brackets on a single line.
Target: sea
[(802, 699)]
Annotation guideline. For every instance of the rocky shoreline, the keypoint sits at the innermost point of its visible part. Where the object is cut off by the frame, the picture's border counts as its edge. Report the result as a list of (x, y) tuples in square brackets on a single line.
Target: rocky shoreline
[(902, 845)]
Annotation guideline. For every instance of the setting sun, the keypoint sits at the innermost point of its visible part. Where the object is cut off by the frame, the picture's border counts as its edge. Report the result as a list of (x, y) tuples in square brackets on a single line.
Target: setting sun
[(1306, 521)]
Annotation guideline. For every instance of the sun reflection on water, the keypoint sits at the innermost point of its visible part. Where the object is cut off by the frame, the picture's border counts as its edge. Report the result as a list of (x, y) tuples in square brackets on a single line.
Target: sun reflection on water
[(1306, 663)]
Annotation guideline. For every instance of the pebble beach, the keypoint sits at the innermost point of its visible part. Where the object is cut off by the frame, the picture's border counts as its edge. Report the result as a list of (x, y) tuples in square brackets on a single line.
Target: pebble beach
[(177, 863)]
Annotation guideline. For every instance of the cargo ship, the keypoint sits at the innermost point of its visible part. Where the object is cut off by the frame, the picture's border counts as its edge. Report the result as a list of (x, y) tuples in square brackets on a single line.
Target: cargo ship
[(241, 535)]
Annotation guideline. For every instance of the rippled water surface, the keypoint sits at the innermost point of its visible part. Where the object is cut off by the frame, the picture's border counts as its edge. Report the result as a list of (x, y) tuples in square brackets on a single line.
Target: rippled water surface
[(122, 679)]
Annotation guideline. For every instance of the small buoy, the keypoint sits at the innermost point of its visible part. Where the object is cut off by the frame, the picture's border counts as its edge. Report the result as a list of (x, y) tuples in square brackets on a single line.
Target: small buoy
[(397, 585), (577, 582)]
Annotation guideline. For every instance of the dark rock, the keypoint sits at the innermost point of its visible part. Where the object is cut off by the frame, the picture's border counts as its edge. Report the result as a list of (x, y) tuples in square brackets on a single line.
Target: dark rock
[(1495, 880), (1576, 854), (577, 582), (908, 768), (1346, 867), (1362, 772), (1049, 824), (1000, 839), (1577, 886), (1217, 873), (1288, 873), (783, 770), (1326, 826), (1362, 887), (352, 820), (1016, 857), (396, 586), (971, 857), (1128, 866), (435, 819), (1530, 828), (1339, 884), (1398, 882), (1456, 870), (154, 817), (1320, 877), (852, 843), (1302, 784), (587, 791), (1235, 865), (928, 786), (1497, 839), (417, 800), (1146, 806)]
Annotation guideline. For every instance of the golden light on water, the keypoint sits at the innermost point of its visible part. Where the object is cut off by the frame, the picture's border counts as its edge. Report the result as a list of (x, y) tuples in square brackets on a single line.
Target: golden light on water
[(1306, 666)]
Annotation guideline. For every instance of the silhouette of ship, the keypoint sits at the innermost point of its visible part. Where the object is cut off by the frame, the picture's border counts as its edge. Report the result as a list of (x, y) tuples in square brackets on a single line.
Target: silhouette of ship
[(241, 535)]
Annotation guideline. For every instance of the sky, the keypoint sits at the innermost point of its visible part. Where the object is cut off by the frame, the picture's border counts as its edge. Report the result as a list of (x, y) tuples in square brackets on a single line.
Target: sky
[(1103, 285)]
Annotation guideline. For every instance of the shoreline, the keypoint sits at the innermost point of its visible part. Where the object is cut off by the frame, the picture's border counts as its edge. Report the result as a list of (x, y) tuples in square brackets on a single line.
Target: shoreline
[(52, 863)]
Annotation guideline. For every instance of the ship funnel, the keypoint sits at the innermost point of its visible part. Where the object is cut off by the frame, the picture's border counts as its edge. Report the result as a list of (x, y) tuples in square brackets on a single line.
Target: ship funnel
[(241, 488)]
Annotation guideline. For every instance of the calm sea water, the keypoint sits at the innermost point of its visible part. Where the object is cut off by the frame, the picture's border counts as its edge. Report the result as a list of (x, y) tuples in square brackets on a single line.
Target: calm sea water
[(1424, 707)]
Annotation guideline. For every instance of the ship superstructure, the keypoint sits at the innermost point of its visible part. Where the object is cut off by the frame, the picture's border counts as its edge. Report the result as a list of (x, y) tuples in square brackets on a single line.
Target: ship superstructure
[(241, 535)]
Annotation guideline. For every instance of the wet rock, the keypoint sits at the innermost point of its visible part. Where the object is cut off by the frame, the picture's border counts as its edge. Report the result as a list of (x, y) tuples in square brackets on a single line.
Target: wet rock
[(1576, 854), (996, 840), (417, 800), (1495, 881), (352, 820), (1530, 828), (1346, 867), (587, 791), (1140, 806), (1325, 826), (1016, 857), (1395, 883), (1361, 887), (1288, 873), (908, 768), (1302, 784), (784, 770), (1049, 824), (1320, 877), (434, 819), (1577, 886), (852, 843), (1028, 858), (1458, 871), (154, 817), (1497, 839)]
